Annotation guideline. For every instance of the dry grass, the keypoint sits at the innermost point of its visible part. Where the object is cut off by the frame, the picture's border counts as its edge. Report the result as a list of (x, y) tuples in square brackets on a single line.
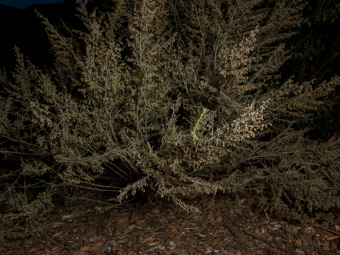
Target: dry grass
[(176, 98)]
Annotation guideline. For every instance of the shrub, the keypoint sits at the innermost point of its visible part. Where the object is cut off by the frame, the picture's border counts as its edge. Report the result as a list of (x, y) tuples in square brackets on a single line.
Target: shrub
[(176, 98)]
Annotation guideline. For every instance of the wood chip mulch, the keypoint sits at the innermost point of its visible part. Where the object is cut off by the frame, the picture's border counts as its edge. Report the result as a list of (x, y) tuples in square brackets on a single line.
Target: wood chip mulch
[(224, 226)]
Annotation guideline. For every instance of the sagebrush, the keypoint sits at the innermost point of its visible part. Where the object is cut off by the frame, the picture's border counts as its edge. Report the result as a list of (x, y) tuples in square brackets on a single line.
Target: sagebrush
[(175, 98)]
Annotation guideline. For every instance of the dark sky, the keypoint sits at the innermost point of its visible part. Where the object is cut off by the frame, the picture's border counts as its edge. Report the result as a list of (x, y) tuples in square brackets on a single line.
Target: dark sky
[(22, 4), (21, 27)]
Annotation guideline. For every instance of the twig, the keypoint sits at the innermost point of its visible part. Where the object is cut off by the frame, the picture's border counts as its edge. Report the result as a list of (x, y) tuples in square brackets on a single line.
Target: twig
[(328, 230), (259, 238)]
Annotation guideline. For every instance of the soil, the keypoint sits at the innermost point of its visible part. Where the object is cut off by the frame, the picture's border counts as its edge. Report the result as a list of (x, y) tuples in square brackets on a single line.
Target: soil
[(224, 226)]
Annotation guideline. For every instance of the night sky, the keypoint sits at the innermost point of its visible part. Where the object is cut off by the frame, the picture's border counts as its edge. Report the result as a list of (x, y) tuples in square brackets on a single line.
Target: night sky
[(23, 4)]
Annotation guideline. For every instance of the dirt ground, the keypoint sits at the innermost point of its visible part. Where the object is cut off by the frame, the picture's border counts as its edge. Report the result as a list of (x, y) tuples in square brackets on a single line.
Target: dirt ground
[(224, 226)]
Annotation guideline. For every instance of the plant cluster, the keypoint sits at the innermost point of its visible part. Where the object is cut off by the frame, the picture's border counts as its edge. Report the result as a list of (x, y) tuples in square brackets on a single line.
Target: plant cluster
[(175, 98)]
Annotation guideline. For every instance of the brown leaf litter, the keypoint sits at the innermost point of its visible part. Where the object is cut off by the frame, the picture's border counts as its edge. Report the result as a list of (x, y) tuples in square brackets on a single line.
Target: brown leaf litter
[(224, 226)]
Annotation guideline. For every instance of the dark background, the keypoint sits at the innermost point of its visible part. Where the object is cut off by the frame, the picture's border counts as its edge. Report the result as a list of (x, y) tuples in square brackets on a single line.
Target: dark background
[(23, 4), (22, 27)]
